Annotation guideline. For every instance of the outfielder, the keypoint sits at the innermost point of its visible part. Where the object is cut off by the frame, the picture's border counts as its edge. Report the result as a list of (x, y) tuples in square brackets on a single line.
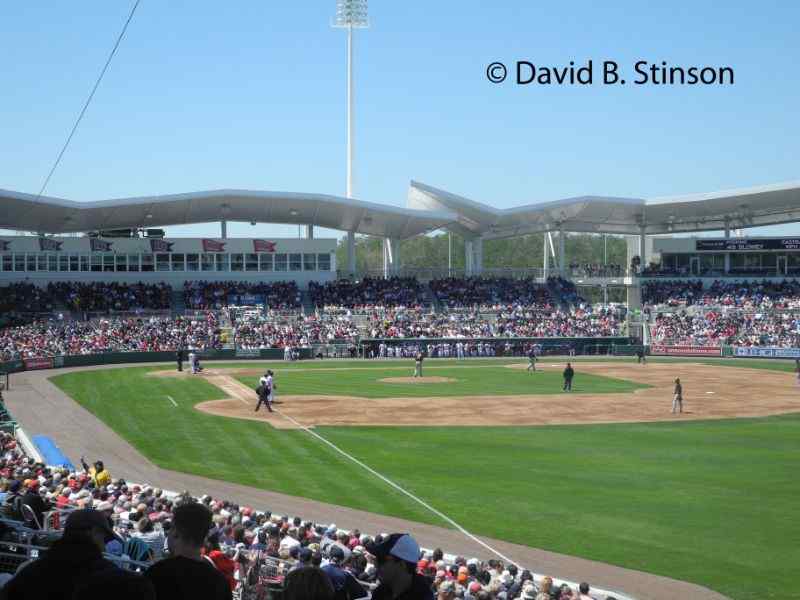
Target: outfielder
[(677, 398)]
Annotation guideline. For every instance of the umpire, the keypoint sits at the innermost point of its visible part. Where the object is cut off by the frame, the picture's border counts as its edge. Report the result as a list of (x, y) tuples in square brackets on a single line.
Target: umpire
[(569, 373), (179, 358)]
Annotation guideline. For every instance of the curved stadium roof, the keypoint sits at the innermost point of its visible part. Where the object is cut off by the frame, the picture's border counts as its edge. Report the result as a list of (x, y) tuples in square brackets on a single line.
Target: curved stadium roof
[(428, 208)]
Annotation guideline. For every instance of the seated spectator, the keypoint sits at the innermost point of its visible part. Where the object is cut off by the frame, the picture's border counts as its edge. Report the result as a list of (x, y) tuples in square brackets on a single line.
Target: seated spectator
[(73, 559), (186, 575), (308, 583), (396, 559)]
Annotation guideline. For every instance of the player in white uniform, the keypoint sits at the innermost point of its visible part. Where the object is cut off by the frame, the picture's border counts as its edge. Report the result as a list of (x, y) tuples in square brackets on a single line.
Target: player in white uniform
[(269, 389)]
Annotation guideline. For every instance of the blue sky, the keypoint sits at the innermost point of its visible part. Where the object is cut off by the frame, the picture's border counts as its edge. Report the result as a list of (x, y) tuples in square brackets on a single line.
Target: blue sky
[(249, 94)]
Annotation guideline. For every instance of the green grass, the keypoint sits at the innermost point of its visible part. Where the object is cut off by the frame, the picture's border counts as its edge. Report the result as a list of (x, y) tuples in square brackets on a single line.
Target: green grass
[(712, 502), (470, 380)]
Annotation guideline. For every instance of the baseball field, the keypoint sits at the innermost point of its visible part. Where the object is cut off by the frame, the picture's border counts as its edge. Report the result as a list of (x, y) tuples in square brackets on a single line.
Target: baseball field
[(605, 472)]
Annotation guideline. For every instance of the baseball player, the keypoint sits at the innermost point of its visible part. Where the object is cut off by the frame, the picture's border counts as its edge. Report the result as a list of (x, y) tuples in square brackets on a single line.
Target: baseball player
[(569, 373), (418, 364), (265, 396), (677, 398), (193, 361), (532, 360), (641, 357)]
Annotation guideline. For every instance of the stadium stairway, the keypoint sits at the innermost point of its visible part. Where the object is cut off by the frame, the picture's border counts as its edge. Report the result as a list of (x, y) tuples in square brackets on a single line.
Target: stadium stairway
[(307, 303), (430, 299), (178, 302)]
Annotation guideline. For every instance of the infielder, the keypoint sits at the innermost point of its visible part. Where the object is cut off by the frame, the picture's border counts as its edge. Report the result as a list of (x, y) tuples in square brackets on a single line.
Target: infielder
[(532, 360), (266, 386), (569, 373), (677, 398), (418, 364)]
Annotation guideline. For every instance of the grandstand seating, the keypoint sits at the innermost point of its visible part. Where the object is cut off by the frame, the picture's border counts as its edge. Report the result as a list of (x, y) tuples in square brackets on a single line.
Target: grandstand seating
[(262, 547)]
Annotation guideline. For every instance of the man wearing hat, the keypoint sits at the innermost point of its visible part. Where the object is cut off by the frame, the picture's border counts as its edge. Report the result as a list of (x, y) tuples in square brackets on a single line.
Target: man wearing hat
[(396, 558), (72, 560)]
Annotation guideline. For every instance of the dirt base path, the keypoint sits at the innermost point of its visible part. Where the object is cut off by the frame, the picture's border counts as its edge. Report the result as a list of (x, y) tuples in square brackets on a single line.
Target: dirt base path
[(41, 408), (710, 392)]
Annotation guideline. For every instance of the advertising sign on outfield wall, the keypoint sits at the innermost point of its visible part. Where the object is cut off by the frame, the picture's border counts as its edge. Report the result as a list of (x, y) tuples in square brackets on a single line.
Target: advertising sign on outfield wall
[(686, 350), (763, 352), (31, 364)]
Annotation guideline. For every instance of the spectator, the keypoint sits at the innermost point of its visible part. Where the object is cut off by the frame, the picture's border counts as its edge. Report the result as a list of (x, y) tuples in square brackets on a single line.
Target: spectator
[(396, 558), (98, 473), (186, 575), (308, 583), (74, 559)]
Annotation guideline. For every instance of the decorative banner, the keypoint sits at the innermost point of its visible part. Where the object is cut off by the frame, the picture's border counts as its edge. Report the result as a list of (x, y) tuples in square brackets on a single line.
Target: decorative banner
[(49, 245), (213, 246), (686, 350), (263, 246), (160, 246), (4, 246), (99, 245)]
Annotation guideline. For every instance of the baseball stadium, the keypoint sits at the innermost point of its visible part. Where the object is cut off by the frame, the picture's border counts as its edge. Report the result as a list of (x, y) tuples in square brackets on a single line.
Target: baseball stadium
[(594, 397)]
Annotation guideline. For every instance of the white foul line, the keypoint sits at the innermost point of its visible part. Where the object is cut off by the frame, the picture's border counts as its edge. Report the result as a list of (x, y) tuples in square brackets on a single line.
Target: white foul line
[(173, 401), (398, 488)]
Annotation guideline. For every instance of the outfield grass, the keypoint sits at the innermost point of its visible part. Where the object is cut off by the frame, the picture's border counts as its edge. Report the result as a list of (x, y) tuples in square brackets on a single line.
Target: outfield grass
[(470, 380), (712, 502)]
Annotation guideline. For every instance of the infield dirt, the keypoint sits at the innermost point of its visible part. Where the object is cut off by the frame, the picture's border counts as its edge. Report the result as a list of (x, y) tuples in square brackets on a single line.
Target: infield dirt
[(710, 392)]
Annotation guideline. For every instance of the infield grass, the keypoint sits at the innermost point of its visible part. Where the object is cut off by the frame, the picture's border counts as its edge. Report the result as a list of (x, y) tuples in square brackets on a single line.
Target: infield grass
[(712, 502)]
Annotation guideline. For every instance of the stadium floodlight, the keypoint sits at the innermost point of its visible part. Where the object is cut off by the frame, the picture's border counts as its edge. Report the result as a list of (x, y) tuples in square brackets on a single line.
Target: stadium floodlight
[(350, 14)]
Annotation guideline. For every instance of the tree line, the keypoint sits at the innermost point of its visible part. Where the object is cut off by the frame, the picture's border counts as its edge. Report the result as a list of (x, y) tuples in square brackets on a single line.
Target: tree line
[(430, 251)]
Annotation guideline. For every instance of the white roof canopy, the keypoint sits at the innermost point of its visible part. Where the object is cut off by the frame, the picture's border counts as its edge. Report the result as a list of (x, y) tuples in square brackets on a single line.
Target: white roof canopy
[(54, 215), (428, 208), (751, 207)]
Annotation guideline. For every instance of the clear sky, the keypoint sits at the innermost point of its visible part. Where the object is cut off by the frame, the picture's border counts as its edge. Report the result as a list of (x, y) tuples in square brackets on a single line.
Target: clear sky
[(245, 94)]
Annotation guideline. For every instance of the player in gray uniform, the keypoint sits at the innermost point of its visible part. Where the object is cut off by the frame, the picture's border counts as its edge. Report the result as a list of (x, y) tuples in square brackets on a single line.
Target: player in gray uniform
[(677, 398), (418, 364)]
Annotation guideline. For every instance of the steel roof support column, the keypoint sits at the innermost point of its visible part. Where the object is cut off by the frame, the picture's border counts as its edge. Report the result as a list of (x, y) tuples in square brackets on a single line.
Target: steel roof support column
[(469, 255), (309, 232), (546, 261), (478, 260), (223, 226), (561, 262), (351, 253)]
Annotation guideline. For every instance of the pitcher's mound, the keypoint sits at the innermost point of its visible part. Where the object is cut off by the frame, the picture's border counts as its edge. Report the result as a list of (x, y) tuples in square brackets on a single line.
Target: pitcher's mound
[(417, 380)]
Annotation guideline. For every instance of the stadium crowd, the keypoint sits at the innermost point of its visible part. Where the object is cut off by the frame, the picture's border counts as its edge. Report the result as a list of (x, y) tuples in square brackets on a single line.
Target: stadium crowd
[(209, 295), (55, 337), (714, 328), (131, 538), (765, 295), (256, 332), (368, 294), (487, 294), (517, 322)]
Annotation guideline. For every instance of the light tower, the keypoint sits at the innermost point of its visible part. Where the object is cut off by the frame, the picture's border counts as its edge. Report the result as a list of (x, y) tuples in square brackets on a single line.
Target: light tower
[(350, 14)]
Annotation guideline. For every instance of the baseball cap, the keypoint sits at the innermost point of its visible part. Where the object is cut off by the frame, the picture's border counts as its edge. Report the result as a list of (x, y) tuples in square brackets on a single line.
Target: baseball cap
[(399, 545), (86, 519)]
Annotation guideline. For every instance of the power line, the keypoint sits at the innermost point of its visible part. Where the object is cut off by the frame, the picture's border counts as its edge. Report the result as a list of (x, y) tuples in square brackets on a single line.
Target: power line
[(89, 99)]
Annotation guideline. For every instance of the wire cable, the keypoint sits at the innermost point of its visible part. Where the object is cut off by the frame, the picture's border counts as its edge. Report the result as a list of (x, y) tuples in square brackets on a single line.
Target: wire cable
[(89, 99)]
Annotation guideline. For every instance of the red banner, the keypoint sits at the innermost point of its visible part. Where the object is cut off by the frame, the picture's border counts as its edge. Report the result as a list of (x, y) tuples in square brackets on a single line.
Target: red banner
[(263, 246), (213, 246), (160, 246), (32, 364), (686, 350)]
